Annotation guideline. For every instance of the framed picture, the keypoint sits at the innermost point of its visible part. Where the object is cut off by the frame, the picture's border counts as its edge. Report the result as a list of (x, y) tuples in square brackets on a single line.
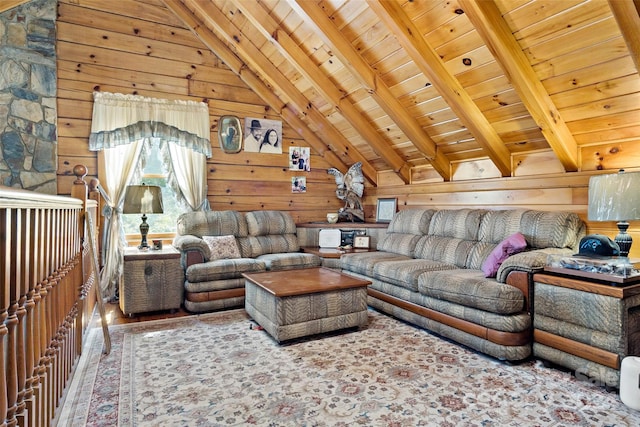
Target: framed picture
[(386, 209), (298, 184), (299, 158), (262, 135), (361, 242), (230, 134)]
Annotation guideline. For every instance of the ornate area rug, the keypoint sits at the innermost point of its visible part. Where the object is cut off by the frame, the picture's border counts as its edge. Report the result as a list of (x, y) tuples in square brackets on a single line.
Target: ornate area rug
[(219, 369)]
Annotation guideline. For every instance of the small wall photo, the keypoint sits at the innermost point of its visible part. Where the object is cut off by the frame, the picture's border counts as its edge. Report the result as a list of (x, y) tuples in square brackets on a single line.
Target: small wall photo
[(299, 158), (262, 135), (298, 184)]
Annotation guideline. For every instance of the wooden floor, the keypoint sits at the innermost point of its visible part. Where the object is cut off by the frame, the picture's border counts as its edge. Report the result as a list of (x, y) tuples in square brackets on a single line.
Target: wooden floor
[(116, 317)]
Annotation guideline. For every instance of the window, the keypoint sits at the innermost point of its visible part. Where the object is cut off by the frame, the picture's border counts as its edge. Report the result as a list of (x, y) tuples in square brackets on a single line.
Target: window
[(154, 174)]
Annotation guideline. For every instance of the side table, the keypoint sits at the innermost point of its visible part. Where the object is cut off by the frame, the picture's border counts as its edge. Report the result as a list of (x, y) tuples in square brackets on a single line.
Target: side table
[(586, 325), (152, 280)]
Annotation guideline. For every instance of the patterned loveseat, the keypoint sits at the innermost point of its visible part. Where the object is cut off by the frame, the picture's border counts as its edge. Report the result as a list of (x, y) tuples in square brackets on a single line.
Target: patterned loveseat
[(218, 246), (429, 270)]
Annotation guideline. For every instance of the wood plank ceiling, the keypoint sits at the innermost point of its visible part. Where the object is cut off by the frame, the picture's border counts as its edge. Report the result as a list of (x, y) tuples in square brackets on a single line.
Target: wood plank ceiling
[(405, 84)]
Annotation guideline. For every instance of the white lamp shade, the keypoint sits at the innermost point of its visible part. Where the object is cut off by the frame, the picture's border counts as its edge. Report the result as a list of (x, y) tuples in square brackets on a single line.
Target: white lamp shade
[(144, 199), (614, 197)]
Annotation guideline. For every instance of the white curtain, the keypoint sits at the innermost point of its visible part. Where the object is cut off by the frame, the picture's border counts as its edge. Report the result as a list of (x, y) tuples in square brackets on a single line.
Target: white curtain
[(188, 169), (120, 127)]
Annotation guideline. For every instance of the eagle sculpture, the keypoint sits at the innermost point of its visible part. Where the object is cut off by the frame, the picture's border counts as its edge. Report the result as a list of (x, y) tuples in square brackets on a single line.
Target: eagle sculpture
[(350, 189)]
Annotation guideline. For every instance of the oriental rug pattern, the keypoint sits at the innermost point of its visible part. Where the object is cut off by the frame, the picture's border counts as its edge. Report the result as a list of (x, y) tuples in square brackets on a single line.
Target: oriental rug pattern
[(217, 370)]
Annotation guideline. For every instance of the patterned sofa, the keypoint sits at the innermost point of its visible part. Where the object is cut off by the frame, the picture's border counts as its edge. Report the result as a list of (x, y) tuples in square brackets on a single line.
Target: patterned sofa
[(428, 270), (218, 246)]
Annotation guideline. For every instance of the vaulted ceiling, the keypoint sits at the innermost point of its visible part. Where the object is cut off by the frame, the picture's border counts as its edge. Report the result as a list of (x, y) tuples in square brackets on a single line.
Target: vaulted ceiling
[(405, 84)]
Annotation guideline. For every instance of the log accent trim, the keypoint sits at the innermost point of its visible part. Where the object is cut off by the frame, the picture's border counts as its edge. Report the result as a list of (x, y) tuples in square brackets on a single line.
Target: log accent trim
[(578, 349), (214, 295), (194, 257), (497, 337), (522, 281)]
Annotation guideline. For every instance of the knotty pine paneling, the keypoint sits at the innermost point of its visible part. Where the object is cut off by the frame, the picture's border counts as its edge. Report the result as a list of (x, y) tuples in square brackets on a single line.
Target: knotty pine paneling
[(107, 46), (139, 47)]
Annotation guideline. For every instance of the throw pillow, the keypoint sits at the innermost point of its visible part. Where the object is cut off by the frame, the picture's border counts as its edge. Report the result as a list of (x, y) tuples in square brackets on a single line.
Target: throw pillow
[(222, 247), (509, 246)]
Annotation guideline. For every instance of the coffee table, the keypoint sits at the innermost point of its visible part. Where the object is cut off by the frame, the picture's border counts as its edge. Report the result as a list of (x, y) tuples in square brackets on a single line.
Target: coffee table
[(291, 304)]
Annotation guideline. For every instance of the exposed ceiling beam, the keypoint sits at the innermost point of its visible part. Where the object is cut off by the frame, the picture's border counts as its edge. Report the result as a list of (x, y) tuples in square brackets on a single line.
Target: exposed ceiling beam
[(305, 66), (216, 20), (430, 63), (627, 14), (291, 116), (495, 32), (10, 4), (314, 15)]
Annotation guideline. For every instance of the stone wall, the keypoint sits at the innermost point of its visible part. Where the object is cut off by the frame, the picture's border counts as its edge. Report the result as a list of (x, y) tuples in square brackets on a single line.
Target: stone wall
[(28, 118)]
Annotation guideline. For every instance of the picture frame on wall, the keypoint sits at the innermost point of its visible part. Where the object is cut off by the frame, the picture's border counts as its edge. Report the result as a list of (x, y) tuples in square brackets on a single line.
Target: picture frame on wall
[(262, 135), (299, 158), (386, 209), (298, 184), (230, 134)]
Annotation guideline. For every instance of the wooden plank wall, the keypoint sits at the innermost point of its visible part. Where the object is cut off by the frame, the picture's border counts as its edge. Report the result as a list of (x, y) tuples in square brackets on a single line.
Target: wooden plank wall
[(139, 47)]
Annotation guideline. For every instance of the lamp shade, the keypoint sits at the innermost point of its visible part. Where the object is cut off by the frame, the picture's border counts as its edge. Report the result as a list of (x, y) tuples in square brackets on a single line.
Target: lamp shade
[(614, 197), (144, 199)]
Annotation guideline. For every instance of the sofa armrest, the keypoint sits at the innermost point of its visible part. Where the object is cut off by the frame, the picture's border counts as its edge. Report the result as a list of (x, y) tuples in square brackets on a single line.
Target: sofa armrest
[(529, 261), (524, 282), (193, 249)]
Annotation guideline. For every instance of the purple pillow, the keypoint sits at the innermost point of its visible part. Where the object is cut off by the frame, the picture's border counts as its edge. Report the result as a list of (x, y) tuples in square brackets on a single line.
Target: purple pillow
[(509, 246)]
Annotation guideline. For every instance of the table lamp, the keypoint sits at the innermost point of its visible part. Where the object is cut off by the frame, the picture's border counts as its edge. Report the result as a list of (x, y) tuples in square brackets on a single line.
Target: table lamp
[(144, 199), (616, 197)]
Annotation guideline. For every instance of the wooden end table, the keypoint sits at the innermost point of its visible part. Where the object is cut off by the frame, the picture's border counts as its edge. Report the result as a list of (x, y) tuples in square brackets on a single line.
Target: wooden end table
[(578, 319), (152, 280)]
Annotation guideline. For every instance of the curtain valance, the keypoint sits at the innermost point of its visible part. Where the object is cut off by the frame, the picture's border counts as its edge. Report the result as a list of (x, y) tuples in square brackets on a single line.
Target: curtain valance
[(120, 119)]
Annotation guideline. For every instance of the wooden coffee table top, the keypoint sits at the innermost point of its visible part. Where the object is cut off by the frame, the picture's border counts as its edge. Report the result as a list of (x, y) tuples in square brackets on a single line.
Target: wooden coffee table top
[(304, 281)]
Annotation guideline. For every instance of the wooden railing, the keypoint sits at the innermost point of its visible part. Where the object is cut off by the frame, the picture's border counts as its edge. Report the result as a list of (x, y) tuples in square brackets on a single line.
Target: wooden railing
[(46, 299)]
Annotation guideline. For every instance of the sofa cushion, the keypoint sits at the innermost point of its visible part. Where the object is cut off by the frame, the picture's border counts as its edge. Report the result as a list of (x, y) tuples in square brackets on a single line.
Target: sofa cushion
[(470, 288), (263, 223), (405, 273), (271, 244), (447, 250), (212, 223), (222, 247), (503, 250), (291, 260), (404, 231), (501, 322), (223, 269), (364, 262), (552, 229), (459, 223)]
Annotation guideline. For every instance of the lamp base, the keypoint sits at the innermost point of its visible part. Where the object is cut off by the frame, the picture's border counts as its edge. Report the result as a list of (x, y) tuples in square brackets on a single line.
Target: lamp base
[(144, 230), (623, 239)]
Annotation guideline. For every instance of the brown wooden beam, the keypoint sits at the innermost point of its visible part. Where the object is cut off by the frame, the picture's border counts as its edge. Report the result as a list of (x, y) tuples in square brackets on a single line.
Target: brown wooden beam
[(314, 15), (495, 32), (430, 63), (627, 14), (288, 113), (305, 66)]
